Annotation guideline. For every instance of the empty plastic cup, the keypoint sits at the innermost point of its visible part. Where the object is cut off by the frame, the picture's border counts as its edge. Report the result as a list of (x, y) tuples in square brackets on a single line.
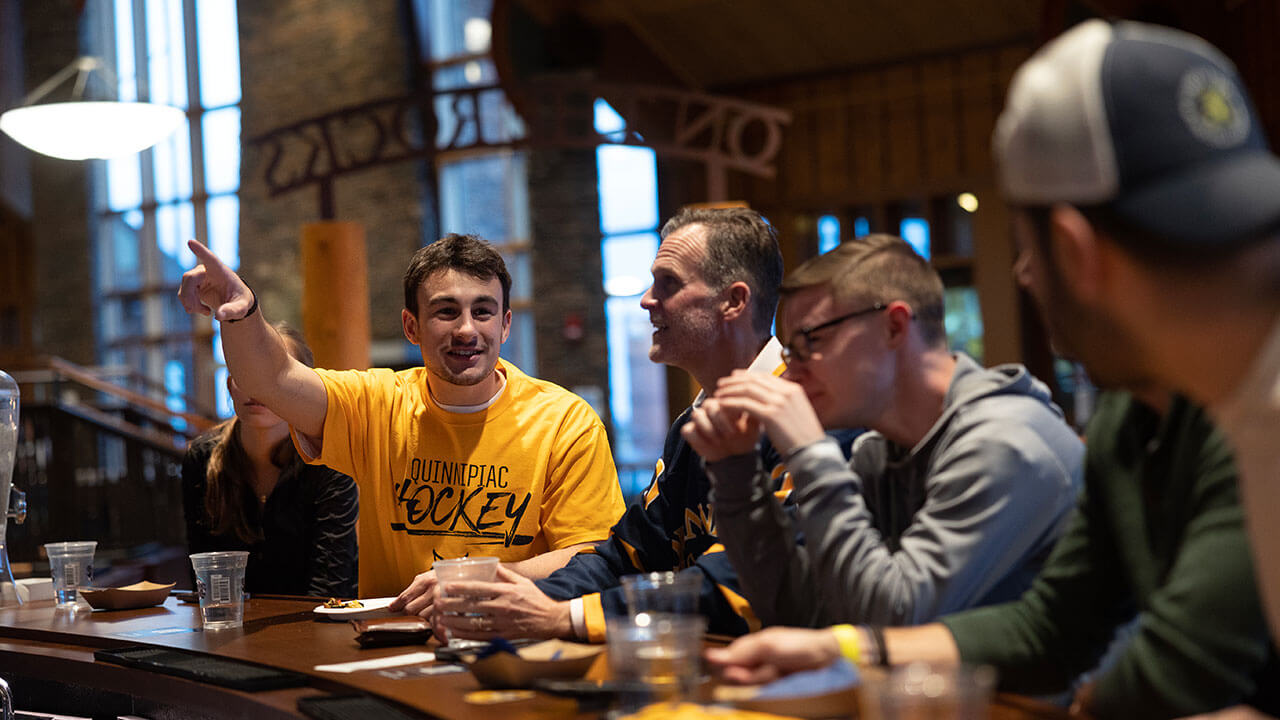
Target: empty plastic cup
[(71, 565), (220, 586), (662, 592)]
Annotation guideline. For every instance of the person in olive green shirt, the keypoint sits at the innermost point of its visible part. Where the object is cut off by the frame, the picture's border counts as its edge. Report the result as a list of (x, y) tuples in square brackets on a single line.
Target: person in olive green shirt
[(1159, 536)]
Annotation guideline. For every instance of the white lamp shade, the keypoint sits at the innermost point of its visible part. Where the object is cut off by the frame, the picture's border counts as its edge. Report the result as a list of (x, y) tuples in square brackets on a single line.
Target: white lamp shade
[(85, 130)]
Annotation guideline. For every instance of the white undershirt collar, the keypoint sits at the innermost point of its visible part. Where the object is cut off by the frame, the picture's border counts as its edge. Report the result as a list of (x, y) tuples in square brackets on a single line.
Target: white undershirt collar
[(465, 409)]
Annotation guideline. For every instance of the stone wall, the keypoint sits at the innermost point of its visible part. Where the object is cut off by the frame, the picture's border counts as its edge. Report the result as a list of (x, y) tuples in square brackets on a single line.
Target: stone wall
[(300, 59), (568, 280), (15, 165), (60, 219)]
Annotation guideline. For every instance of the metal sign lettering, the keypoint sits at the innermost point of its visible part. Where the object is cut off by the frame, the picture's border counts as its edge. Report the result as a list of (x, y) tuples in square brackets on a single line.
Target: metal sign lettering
[(721, 132)]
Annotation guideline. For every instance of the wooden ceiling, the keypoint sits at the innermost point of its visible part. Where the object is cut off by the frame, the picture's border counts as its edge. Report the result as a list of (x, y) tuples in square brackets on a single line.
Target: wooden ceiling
[(726, 43)]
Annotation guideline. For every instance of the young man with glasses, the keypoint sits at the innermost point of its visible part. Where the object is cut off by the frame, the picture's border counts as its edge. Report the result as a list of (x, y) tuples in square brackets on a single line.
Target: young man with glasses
[(952, 501)]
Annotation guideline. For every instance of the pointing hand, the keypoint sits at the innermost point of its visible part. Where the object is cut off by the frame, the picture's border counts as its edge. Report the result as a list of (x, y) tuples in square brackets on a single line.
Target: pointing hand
[(211, 288)]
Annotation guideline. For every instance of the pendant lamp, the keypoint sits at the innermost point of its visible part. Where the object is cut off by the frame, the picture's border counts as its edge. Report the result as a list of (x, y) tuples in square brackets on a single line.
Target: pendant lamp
[(86, 129)]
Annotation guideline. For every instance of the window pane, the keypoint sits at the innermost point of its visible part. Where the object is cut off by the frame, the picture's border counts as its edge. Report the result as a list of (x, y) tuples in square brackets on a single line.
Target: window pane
[(627, 259), (494, 110), (828, 233), (223, 216), (175, 385), (473, 197), (480, 71), (124, 182), (608, 122), (218, 44), (517, 176), (453, 27), (171, 160), (222, 150), (119, 254), (126, 70), (166, 53), (964, 321), (111, 320), (175, 224), (628, 178), (174, 320), (451, 121), (638, 400), (222, 397), (520, 266), (129, 318), (218, 356), (520, 345), (916, 232)]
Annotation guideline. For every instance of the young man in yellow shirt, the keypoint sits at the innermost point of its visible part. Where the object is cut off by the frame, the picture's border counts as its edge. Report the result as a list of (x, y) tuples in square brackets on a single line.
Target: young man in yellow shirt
[(465, 455)]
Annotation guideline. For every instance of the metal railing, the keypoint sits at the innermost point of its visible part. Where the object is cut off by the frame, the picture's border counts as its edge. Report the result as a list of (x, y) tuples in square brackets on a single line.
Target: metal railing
[(98, 461)]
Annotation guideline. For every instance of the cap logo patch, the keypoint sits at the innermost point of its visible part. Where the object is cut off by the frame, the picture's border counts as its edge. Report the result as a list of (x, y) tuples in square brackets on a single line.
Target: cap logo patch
[(1213, 108)]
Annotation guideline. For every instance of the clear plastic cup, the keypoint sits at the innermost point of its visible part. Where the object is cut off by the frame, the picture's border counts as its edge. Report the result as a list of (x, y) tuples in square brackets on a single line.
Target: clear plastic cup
[(655, 657), (220, 586), (921, 691), (467, 569), (662, 592), (71, 566)]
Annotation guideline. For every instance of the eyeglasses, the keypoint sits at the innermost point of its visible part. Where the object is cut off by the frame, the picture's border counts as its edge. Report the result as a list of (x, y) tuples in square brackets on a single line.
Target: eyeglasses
[(800, 349)]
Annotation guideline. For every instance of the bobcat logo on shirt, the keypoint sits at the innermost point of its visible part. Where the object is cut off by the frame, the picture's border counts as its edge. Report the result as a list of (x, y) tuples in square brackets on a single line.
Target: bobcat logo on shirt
[(695, 535), (458, 499)]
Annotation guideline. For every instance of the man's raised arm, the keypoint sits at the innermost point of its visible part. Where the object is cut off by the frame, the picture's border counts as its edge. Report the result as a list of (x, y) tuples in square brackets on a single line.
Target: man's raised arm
[(257, 356)]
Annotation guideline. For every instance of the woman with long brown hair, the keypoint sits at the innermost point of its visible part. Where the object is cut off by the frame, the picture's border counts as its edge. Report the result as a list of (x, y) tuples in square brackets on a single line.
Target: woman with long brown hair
[(245, 488)]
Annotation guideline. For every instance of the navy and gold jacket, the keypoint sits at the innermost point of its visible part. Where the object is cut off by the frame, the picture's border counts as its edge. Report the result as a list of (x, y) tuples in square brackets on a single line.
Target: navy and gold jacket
[(671, 528)]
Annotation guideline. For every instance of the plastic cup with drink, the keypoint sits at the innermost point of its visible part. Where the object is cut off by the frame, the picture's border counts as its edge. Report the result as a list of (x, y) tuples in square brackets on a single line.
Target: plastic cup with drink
[(71, 566), (467, 569), (220, 587)]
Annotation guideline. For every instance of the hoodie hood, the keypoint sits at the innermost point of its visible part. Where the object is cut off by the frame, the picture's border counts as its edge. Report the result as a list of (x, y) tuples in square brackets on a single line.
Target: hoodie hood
[(971, 382)]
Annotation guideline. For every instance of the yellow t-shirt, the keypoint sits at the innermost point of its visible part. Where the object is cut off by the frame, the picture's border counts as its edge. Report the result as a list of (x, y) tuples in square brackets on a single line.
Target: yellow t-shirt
[(531, 473)]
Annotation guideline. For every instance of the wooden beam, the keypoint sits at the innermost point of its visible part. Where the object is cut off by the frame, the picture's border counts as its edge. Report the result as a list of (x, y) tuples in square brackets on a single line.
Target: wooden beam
[(623, 12)]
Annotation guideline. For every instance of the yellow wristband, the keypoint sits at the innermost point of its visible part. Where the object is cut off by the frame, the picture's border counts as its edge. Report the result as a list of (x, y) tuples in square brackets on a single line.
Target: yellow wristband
[(849, 642)]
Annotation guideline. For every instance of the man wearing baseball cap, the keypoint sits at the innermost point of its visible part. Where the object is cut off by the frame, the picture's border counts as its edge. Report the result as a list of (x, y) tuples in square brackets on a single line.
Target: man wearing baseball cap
[(1146, 209), (1147, 212)]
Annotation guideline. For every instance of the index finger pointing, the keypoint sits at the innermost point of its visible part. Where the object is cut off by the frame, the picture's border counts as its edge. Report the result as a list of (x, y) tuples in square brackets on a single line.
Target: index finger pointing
[(203, 254)]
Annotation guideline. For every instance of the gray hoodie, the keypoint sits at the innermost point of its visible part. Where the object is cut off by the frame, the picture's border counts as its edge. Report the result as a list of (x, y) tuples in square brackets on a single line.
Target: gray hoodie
[(899, 536)]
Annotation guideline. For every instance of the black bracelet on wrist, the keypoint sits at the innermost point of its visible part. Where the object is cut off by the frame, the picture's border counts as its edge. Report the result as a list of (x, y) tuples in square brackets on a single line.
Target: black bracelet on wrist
[(882, 651), (252, 308)]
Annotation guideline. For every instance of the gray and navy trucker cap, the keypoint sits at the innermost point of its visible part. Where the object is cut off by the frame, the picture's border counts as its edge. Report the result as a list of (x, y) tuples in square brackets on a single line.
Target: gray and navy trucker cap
[(1149, 120)]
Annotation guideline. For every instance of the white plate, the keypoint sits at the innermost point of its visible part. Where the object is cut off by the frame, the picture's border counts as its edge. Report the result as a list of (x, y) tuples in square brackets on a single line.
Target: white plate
[(373, 608)]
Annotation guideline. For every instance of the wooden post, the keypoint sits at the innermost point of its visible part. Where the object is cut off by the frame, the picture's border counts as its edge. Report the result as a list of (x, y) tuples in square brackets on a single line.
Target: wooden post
[(993, 256), (335, 294)]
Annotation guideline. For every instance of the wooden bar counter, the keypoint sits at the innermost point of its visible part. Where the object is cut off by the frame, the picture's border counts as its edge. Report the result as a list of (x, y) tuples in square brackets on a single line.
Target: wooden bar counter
[(47, 647), (46, 654)]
